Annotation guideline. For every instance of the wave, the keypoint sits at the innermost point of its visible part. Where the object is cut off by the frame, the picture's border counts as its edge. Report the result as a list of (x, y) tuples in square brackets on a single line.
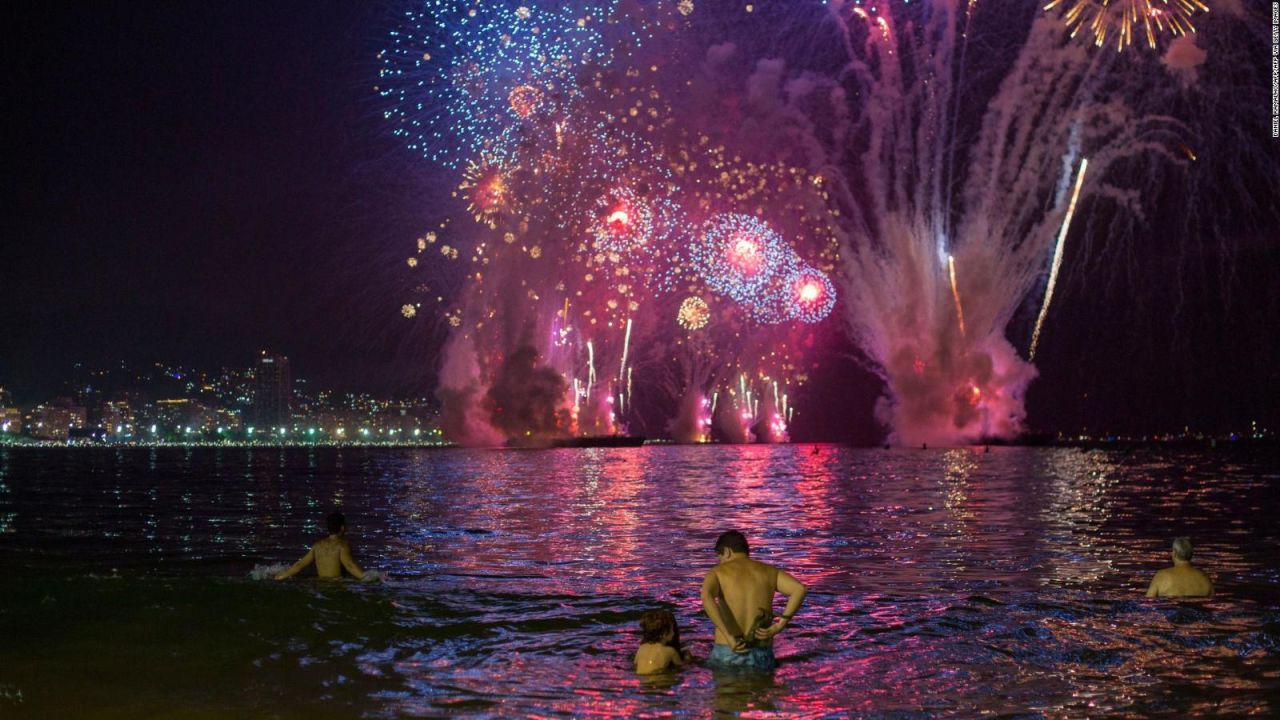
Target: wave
[(267, 572)]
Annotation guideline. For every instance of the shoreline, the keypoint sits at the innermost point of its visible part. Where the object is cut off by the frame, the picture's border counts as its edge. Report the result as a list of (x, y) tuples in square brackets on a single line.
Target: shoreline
[(1026, 442)]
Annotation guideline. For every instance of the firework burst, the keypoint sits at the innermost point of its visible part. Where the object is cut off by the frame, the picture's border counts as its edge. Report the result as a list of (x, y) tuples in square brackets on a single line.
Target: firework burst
[(694, 313), (485, 186), (456, 74), (1122, 19), (738, 255), (622, 222), (813, 296)]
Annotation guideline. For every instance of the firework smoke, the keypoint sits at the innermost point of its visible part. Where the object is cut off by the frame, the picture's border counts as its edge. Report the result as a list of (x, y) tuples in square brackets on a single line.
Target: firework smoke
[(935, 270)]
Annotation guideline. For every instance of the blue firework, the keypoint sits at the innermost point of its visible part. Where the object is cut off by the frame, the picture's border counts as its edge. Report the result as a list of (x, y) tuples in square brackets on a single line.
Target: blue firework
[(458, 73), (740, 256)]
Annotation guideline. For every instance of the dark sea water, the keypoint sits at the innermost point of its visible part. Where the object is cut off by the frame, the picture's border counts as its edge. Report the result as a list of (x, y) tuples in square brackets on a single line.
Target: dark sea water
[(942, 583)]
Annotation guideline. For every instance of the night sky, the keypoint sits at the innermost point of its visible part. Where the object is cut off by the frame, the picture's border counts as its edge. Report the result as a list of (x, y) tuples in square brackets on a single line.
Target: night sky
[(192, 182), (196, 181)]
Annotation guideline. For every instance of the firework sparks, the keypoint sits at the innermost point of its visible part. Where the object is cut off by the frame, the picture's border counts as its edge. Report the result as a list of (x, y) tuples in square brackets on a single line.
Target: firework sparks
[(455, 74), (1121, 18), (591, 366), (484, 186), (694, 314), (626, 345), (813, 296), (622, 222), (524, 100), (739, 255), (955, 293), (613, 182), (1057, 258)]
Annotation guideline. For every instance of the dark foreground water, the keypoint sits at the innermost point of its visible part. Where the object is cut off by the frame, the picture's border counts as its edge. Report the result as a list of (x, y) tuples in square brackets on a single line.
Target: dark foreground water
[(942, 583)]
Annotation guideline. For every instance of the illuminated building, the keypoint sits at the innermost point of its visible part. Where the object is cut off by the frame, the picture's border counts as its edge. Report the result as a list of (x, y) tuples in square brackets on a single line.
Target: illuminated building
[(56, 420), (272, 392), (10, 420), (115, 417)]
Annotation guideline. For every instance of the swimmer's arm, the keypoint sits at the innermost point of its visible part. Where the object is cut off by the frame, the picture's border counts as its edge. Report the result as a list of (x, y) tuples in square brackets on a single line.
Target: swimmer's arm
[(795, 592), (349, 562), (711, 606), (674, 658), (298, 566), (1153, 590)]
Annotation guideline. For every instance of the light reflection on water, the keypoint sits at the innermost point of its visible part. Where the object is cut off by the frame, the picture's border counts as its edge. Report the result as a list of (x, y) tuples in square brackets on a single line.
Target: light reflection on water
[(941, 582)]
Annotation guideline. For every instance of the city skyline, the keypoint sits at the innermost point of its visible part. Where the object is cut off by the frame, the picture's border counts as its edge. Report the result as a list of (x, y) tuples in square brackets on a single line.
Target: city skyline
[(167, 403), (202, 405)]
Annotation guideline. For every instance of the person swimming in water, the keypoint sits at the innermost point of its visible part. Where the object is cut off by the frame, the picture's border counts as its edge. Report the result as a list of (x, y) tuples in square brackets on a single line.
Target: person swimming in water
[(738, 592), (659, 643), (330, 555), (1183, 579)]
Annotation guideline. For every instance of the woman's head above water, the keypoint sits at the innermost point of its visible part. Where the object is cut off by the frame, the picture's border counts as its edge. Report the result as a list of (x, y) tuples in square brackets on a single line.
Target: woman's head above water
[(657, 626)]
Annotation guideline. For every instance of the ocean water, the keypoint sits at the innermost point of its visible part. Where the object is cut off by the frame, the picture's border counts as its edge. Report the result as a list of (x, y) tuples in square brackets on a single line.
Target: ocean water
[(943, 583)]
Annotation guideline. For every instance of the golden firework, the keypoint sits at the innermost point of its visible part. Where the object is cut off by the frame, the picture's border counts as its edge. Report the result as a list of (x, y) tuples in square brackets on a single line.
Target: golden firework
[(694, 314), (1120, 19), (488, 197)]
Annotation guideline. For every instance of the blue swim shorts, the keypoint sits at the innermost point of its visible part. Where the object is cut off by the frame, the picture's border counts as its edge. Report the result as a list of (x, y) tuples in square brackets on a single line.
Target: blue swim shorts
[(755, 659)]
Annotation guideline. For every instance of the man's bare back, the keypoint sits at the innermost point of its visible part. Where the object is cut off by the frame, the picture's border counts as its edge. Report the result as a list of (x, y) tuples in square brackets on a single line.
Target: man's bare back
[(737, 594), (1181, 580), (330, 555), (745, 588)]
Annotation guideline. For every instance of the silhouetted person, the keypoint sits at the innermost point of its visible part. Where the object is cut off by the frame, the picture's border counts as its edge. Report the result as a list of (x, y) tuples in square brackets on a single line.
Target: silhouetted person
[(1183, 579), (330, 554)]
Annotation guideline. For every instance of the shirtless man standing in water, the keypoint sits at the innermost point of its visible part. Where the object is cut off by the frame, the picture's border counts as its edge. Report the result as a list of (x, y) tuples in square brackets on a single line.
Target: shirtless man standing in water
[(1183, 579), (737, 594), (330, 554)]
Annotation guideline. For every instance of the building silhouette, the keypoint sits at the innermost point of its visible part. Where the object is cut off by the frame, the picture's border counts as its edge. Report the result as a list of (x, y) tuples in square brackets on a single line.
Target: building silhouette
[(272, 392)]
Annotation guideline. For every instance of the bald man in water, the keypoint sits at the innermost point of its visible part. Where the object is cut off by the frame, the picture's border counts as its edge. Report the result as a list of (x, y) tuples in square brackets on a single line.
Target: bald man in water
[(1183, 579), (738, 593), (330, 554)]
